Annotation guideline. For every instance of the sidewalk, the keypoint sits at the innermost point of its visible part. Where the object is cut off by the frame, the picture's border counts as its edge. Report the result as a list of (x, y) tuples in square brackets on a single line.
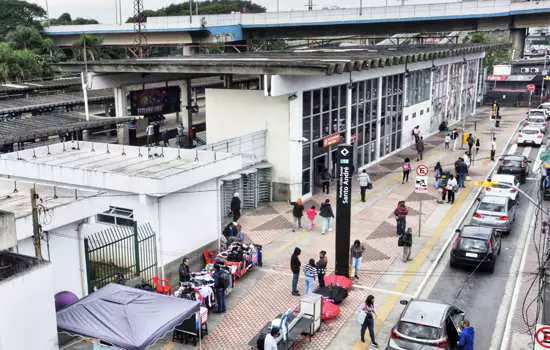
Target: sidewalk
[(265, 293)]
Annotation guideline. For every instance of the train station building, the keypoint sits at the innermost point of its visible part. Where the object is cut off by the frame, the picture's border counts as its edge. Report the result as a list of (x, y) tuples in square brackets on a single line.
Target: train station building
[(303, 97)]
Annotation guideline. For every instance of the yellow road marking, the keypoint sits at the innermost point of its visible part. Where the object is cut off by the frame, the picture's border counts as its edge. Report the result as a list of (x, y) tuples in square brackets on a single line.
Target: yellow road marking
[(401, 286), (169, 346)]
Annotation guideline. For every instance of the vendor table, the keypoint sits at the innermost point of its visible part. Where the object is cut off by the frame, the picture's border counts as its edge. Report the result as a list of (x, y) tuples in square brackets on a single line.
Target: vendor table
[(301, 327)]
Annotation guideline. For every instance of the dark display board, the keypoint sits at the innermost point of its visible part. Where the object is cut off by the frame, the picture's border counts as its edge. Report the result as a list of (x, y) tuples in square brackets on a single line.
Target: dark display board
[(156, 101), (344, 165)]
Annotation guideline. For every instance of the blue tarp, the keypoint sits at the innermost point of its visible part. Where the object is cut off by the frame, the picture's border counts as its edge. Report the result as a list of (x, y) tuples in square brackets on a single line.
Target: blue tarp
[(125, 317)]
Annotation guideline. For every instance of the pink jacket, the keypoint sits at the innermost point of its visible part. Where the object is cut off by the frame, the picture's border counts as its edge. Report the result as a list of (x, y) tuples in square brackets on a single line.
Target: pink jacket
[(311, 214)]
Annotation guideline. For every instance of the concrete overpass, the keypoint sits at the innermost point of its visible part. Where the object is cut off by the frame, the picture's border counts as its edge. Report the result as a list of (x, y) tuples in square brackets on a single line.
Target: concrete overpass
[(443, 16)]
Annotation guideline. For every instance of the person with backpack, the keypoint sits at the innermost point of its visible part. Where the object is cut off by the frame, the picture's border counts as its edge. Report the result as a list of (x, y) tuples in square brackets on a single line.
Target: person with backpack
[(327, 214), (400, 214), (311, 214), (406, 170), (220, 284), (310, 272), (322, 268), (405, 241), (364, 181), (295, 265), (236, 207)]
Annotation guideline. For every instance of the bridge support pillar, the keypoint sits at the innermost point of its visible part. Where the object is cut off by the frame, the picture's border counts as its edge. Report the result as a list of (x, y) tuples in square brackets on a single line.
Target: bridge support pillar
[(518, 42)]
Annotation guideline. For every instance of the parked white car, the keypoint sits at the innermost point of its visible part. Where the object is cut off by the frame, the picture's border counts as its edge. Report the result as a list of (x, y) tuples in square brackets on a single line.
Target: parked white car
[(530, 136), (546, 107), (506, 187)]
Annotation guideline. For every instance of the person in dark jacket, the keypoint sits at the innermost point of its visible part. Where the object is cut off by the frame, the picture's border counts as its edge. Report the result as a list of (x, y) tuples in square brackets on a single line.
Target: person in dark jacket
[(400, 214), (466, 340), (420, 148), (327, 214), (470, 140), (295, 265), (322, 268), (461, 171), (236, 207), (185, 273), (324, 178), (297, 213), (219, 287)]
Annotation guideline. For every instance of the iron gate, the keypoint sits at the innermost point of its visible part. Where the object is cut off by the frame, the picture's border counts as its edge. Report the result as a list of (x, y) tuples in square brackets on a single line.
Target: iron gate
[(120, 252)]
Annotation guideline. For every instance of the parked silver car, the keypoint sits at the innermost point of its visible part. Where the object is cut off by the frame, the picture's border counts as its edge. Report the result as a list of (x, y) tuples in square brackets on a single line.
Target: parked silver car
[(495, 211), (426, 325)]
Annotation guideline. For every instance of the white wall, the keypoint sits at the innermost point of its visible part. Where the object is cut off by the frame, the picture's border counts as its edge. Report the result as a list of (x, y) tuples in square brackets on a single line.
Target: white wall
[(409, 122), (27, 318), (233, 113)]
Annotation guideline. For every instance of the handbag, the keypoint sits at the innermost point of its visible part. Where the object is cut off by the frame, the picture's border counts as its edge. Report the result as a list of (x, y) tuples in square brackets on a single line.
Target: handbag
[(401, 241), (361, 315), (369, 186)]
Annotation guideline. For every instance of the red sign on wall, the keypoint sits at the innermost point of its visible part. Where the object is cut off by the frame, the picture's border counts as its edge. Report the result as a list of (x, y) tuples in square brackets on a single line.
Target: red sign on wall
[(332, 140)]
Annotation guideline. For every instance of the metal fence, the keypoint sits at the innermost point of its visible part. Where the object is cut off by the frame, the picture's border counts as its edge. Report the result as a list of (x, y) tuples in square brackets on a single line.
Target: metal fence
[(118, 253), (251, 147)]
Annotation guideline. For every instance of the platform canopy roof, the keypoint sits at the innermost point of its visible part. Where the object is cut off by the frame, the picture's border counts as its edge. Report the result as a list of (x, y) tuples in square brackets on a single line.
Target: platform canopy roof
[(38, 85), (29, 128), (297, 62)]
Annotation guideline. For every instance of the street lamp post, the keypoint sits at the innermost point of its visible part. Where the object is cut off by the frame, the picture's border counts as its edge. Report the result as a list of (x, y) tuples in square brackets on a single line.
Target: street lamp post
[(544, 74)]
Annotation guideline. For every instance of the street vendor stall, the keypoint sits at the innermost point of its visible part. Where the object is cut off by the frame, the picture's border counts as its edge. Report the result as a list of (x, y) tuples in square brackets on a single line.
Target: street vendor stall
[(125, 317)]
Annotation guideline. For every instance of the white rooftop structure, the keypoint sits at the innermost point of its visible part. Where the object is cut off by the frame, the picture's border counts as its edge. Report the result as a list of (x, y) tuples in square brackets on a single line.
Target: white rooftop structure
[(153, 171)]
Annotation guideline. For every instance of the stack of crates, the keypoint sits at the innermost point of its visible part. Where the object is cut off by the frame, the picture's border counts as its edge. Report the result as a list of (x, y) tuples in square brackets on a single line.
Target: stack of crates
[(249, 197), (264, 178)]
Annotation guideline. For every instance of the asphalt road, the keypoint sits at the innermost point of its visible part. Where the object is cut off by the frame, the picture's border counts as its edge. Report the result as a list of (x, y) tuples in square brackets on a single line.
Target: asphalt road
[(482, 293)]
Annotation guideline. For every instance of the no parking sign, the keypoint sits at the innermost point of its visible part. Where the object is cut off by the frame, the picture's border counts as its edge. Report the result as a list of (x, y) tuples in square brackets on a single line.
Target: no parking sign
[(542, 337)]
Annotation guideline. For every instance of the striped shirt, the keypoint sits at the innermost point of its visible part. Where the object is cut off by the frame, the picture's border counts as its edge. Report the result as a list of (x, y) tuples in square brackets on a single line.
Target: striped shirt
[(310, 271)]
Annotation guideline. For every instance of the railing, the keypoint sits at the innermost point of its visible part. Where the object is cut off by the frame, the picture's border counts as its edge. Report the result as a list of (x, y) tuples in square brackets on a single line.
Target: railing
[(252, 147), (394, 10)]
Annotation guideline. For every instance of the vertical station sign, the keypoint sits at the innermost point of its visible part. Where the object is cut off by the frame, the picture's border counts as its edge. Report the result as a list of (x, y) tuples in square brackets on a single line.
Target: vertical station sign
[(343, 208)]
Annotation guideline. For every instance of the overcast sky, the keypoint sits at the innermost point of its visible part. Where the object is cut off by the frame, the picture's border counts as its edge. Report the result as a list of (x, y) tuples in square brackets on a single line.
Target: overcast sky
[(104, 10)]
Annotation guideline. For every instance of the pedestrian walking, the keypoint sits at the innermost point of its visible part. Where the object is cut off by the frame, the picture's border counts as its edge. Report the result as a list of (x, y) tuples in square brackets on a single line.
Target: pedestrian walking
[(447, 141), (420, 148), (311, 214), (400, 214), (270, 342), (184, 271), (438, 172), (356, 254), (310, 272), (165, 138), (295, 265), (478, 145), (455, 138), (156, 132), (370, 312), (470, 140), (493, 148), (297, 213), (452, 187), (461, 171), (405, 241), (467, 337), (468, 162), (364, 181), (327, 214), (322, 268), (406, 170), (149, 132), (236, 207), (324, 178), (220, 286), (416, 133)]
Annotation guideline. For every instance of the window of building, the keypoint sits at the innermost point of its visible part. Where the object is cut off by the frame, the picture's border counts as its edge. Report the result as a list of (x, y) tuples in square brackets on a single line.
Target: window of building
[(117, 216), (418, 86), (421, 112), (414, 115)]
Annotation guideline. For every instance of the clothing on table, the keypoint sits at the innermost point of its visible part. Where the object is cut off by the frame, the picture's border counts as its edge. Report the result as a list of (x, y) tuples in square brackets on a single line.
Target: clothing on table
[(270, 343)]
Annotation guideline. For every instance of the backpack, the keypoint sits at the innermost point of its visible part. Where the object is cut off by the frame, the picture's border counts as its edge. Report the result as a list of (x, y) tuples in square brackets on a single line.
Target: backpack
[(225, 279), (407, 166)]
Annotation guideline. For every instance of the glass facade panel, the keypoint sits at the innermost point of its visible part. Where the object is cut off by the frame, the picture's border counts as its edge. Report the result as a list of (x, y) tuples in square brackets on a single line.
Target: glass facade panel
[(418, 86)]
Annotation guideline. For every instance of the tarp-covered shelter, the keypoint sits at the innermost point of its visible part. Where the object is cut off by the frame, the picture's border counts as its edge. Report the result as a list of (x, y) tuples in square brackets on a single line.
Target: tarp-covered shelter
[(125, 317)]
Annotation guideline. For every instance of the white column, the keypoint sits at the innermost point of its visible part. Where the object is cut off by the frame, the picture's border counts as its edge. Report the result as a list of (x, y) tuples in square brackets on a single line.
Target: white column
[(121, 105), (447, 93), (295, 146), (183, 114), (476, 89), (460, 116), (348, 114), (378, 116)]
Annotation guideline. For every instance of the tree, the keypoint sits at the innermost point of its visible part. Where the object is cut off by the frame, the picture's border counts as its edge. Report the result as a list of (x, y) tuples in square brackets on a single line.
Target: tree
[(66, 19), (14, 13), (492, 57), (89, 45), (28, 38), (209, 7), (17, 65)]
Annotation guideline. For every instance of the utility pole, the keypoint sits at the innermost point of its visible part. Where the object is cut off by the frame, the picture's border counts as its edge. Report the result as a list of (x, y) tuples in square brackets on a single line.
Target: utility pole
[(35, 225), (190, 11), (544, 74)]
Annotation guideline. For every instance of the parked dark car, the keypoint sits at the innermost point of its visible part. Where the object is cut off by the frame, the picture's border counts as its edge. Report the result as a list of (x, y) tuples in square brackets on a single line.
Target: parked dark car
[(514, 165), (476, 245)]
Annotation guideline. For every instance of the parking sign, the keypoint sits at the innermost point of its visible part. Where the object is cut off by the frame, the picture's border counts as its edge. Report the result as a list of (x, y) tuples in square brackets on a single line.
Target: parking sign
[(542, 337)]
